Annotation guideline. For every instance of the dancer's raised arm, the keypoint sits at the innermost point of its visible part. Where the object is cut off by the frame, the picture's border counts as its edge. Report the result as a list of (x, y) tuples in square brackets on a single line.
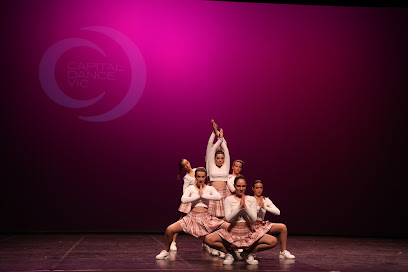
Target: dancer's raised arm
[(210, 144), (227, 159), (208, 151)]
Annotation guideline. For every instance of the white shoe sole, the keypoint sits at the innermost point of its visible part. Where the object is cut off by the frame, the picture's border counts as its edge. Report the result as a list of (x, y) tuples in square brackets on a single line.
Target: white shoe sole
[(286, 258), (164, 258)]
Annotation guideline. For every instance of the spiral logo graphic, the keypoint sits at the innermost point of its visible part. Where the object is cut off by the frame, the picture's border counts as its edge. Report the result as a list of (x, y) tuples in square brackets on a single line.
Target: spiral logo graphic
[(49, 83)]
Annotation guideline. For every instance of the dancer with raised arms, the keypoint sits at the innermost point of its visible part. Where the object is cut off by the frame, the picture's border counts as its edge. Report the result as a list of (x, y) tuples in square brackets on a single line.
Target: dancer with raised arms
[(218, 162)]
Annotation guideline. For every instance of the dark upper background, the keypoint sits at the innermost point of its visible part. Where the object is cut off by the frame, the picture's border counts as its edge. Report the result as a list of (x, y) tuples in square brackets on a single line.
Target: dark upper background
[(312, 98)]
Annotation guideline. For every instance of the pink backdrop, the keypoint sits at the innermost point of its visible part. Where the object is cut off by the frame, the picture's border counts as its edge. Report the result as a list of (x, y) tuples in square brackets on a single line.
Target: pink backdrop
[(312, 98)]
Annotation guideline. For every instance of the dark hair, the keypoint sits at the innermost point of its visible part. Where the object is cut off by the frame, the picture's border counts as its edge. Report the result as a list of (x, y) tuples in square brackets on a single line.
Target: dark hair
[(238, 178), (238, 161), (180, 168), (200, 169), (219, 152), (257, 181)]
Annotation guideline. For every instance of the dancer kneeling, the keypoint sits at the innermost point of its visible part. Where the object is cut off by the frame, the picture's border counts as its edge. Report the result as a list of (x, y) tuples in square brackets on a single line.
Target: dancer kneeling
[(265, 204), (198, 222), (241, 211)]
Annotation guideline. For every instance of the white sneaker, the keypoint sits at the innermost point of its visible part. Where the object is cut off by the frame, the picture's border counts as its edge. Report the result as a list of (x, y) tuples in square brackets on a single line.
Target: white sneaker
[(222, 254), (163, 255), (249, 257), (214, 252), (286, 255), (238, 254), (228, 259), (207, 248), (173, 246)]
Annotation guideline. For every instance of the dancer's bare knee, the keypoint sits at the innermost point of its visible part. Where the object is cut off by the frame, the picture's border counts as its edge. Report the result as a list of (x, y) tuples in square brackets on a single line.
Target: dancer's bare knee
[(209, 240), (169, 231), (273, 241)]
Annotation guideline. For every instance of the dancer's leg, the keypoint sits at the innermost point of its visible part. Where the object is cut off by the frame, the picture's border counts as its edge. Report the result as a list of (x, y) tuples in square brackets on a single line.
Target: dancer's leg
[(170, 231), (213, 240), (266, 242), (175, 235), (226, 225), (283, 234)]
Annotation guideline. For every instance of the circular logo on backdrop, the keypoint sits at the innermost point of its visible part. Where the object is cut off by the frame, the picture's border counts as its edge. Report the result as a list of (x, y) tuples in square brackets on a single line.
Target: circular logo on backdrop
[(110, 77)]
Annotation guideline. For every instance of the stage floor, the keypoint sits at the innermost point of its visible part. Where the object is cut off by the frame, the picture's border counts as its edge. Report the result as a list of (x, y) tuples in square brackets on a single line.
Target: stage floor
[(136, 252)]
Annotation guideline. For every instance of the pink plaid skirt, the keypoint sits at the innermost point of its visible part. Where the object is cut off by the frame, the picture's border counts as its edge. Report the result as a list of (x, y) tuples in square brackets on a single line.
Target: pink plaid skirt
[(262, 226), (185, 207), (240, 236), (216, 207), (200, 223)]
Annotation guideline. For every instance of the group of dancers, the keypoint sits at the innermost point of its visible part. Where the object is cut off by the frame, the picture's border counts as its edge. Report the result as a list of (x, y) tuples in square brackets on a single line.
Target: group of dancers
[(231, 222)]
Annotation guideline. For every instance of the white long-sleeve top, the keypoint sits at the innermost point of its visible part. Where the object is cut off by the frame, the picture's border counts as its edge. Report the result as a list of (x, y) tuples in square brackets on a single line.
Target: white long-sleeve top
[(230, 183), (214, 172), (234, 214), (207, 152), (188, 180), (268, 206), (191, 195)]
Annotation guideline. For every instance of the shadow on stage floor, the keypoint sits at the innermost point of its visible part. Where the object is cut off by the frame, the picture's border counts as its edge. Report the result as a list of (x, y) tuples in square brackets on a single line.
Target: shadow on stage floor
[(136, 252)]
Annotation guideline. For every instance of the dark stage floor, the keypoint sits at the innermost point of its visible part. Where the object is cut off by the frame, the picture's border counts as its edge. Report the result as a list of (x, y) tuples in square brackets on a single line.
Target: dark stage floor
[(136, 252)]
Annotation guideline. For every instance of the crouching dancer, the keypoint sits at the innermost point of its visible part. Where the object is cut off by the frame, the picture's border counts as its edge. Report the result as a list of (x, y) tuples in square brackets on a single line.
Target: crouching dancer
[(198, 222), (241, 211), (265, 204)]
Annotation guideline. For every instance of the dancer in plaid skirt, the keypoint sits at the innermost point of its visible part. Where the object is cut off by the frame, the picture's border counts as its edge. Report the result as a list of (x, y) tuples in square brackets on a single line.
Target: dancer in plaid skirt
[(188, 179), (218, 164), (265, 204), (198, 222), (241, 211)]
